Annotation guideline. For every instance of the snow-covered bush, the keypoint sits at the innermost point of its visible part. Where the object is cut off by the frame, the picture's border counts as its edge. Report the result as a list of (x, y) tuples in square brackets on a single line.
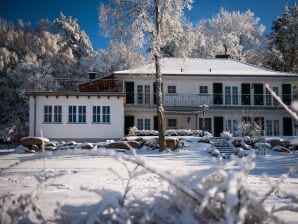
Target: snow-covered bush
[(133, 131), (226, 134), (249, 129)]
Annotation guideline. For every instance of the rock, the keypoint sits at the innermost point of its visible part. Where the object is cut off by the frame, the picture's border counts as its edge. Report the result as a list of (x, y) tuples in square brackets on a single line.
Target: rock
[(34, 147), (204, 140), (50, 148), (29, 141), (21, 149), (215, 153), (70, 143), (248, 141), (274, 141), (51, 144), (86, 146), (172, 143), (237, 143), (279, 148), (124, 145)]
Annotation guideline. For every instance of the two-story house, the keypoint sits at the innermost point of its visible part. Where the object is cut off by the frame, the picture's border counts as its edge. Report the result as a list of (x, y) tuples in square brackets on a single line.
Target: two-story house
[(233, 91)]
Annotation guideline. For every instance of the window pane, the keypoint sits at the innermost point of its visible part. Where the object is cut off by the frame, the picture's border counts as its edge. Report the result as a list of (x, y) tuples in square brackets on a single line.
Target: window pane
[(147, 124), (140, 124), (140, 94), (106, 114), (172, 89)]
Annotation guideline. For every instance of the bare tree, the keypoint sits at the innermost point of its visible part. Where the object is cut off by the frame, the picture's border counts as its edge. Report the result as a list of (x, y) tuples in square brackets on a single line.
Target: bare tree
[(150, 24)]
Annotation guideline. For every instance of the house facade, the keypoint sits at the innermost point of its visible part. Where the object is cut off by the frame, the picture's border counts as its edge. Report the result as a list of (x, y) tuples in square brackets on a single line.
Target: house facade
[(233, 91), (78, 116)]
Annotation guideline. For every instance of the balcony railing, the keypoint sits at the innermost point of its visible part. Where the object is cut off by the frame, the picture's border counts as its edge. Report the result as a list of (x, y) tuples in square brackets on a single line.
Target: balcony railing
[(195, 100)]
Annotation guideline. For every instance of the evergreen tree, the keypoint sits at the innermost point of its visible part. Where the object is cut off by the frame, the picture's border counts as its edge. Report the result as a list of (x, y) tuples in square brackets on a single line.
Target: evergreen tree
[(284, 40)]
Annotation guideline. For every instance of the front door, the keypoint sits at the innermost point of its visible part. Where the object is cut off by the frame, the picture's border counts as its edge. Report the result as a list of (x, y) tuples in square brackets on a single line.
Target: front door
[(218, 126), (128, 123), (287, 128)]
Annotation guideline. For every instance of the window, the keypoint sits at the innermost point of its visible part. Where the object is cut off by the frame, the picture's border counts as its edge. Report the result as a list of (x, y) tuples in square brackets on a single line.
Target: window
[(143, 94), (140, 124), (72, 114), (106, 114), (82, 114), (147, 124), (232, 126), (57, 114), (269, 128), (172, 123), (47, 114), (140, 94), (269, 99), (231, 95), (272, 127), (96, 114), (203, 89), (172, 89)]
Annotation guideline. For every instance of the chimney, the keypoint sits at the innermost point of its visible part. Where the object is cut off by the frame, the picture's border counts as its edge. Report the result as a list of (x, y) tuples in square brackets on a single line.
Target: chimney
[(226, 56), (92, 75)]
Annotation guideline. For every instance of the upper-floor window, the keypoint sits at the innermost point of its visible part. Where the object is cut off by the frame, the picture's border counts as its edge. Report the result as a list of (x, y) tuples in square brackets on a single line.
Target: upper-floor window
[(57, 114), (269, 99), (47, 113), (143, 94), (106, 114), (203, 89), (231, 95), (172, 89), (96, 114)]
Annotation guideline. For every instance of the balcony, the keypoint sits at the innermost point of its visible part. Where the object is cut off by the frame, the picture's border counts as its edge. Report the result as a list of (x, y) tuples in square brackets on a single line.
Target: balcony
[(188, 101)]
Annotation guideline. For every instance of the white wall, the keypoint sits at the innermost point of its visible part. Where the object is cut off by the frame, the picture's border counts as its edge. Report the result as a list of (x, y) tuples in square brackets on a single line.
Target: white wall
[(88, 130)]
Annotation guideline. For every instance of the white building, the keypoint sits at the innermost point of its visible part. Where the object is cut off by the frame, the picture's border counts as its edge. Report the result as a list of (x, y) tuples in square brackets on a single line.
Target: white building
[(233, 90), (76, 115)]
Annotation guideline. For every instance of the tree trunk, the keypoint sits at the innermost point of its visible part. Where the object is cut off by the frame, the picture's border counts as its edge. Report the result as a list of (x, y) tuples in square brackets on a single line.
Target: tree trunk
[(160, 110), (159, 97)]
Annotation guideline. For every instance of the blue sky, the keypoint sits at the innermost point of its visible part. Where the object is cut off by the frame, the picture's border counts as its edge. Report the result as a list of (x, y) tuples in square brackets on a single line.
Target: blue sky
[(86, 12)]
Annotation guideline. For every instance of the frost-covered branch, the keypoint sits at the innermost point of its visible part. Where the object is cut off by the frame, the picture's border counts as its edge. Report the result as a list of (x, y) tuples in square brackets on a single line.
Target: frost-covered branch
[(292, 113)]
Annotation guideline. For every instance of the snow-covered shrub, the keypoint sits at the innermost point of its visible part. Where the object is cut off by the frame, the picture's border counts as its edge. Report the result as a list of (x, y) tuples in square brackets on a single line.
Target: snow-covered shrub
[(249, 129), (132, 131), (226, 134)]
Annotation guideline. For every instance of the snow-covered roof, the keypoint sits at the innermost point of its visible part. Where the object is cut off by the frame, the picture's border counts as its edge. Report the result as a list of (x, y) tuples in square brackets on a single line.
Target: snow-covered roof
[(199, 66)]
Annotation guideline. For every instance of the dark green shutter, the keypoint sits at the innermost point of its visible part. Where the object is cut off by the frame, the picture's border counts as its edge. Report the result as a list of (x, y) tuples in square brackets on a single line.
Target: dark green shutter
[(217, 93), (286, 93), (245, 93)]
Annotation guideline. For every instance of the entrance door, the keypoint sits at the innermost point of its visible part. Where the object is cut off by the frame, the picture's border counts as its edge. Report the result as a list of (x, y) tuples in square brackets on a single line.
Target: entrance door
[(287, 128), (128, 123), (218, 126), (129, 89)]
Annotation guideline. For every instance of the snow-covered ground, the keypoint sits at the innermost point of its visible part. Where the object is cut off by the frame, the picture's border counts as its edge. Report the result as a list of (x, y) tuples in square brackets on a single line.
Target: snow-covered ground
[(85, 170)]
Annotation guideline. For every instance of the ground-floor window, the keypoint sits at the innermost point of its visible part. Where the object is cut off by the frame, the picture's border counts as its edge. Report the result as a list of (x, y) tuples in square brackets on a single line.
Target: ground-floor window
[(143, 124), (96, 114), (106, 114), (232, 126), (172, 123), (57, 114), (47, 114), (272, 127)]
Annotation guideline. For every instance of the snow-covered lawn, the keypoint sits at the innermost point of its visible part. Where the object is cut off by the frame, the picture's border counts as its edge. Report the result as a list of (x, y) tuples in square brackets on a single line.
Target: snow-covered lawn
[(85, 170)]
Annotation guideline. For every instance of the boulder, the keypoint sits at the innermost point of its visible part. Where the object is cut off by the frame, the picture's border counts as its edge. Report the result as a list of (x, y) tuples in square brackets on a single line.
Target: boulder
[(172, 143), (274, 141), (124, 145), (70, 143), (34, 147), (237, 143), (86, 146), (279, 148), (21, 149), (50, 148), (204, 140), (29, 141), (52, 144)]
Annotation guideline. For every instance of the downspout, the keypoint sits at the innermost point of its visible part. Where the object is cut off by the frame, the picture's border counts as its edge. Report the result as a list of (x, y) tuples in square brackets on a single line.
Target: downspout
[(34, 115)]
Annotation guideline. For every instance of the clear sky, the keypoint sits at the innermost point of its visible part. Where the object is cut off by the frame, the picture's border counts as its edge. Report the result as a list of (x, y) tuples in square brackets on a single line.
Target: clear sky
[(87, 12)]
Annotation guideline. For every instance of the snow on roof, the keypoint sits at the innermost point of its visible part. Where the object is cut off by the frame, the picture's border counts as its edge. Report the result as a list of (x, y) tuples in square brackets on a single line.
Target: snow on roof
[(199, 66)]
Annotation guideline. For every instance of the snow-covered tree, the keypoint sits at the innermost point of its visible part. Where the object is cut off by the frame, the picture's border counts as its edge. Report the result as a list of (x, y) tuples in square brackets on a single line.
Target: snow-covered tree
[(151, 24), (232, 33), (283, 40)]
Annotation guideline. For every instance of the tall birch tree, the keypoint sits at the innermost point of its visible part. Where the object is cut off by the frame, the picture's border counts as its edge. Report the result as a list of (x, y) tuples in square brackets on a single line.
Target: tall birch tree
[(150, 24)]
